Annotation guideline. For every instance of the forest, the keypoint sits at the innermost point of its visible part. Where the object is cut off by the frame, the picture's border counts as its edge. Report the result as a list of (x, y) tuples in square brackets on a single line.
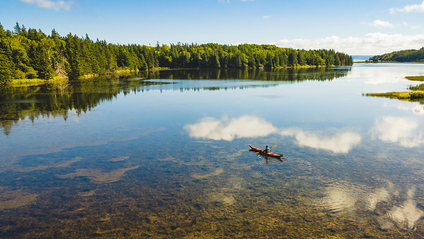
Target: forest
[(31, 54), (401, 56)]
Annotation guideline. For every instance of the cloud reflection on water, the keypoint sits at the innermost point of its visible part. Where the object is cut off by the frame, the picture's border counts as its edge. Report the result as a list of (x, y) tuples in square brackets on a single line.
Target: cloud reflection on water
[(229, 129), (345, 198), (407, 214), (398, 130), (249, 126), (417, 109), (338, 143)]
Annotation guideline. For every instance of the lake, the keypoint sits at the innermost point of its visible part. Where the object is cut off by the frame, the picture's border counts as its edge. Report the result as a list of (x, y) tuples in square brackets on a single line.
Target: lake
[(166, 155), (358, 58)]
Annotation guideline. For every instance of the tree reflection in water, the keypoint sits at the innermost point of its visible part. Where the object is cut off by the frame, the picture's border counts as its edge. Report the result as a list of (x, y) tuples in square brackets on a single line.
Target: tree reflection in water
[(55, 100)]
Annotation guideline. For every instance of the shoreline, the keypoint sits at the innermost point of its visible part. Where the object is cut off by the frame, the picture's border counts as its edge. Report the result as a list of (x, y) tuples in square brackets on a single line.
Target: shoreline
[(416, 93), (382, 62), (59, 79)]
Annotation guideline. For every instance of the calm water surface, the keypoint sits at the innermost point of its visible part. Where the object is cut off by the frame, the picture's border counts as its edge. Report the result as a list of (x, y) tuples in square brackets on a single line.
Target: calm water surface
[(165, 154)]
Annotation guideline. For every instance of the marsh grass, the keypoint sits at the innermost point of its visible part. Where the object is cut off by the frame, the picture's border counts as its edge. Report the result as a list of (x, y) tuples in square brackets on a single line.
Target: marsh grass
[(24, 82), (396, 95), (34, 82), (415, 78), (412, 95), (85, 77), (27, 82), (418, 87), (417, 93)]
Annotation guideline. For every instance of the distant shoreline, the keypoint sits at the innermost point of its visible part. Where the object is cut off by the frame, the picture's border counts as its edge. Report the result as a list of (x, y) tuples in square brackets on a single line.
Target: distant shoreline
[(382, 62)]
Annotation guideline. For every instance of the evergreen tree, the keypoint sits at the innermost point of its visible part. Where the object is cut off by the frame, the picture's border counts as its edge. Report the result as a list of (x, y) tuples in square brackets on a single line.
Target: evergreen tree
[(337, 61), (74, 67), (301, 58), (2, 32), (293, 58), (44, 53), (17, 29), (329, 60), (5, 69)]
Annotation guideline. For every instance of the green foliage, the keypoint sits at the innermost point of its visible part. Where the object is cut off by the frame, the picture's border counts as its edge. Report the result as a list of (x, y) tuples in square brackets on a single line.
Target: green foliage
[(301, 58), (401, 56), (2, 32), (6, 65), (397, 95), (5, 72), (416, 95), (33, 54), (293, 60), (418, 87)]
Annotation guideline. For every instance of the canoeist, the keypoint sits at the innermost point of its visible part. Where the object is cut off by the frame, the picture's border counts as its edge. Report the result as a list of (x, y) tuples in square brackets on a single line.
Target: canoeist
[(267, 149)]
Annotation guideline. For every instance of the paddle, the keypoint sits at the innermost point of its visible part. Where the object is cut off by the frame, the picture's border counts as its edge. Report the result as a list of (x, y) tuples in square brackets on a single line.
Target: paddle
[(269, 148)]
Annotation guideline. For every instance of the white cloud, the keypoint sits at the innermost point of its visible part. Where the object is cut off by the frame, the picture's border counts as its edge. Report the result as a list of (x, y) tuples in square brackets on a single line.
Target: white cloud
[(266, 17), (409, 8), (412, 27), (371, 44), (50, 4), (398, 130), (249, 126), (379, 24)]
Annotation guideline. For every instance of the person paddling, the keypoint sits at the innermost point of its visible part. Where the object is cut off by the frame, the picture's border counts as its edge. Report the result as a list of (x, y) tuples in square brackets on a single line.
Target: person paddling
[(267, 149)]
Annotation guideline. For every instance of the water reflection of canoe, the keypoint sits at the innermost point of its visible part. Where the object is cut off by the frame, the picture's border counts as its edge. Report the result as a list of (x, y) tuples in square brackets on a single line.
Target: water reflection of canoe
[(262, 152)]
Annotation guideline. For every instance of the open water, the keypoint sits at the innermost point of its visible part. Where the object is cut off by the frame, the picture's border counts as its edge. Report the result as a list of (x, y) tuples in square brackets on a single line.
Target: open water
[(165, 155)]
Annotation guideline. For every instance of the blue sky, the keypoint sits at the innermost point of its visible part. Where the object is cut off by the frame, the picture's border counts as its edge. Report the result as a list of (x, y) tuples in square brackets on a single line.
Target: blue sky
[(354, 27)]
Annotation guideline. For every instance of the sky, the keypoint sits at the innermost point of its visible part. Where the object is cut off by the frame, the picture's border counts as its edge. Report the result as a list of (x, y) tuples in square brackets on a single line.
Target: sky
[(360, 27)]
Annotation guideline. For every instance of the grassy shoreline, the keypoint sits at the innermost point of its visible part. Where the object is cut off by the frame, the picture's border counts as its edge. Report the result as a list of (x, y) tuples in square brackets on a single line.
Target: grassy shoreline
[(58, 79), (415, 78), (417, 93), (412, 95)]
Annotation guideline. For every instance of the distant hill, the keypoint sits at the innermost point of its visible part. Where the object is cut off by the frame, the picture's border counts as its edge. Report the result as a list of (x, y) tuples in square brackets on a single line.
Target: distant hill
[(402, 56)]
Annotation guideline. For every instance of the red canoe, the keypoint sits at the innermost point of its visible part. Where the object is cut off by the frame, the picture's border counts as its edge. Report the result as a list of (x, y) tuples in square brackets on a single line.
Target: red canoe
[(262, 151)]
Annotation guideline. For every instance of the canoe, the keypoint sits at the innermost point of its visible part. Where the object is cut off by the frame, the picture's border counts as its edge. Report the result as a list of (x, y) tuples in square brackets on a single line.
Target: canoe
[(263, 152)]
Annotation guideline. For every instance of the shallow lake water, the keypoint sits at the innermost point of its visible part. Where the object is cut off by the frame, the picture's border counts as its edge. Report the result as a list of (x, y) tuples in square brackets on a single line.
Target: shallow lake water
[(166, 155)]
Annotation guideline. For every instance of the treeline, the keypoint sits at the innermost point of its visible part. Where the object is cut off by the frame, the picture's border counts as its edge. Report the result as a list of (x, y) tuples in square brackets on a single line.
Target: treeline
[(30, 53), (401, 56)]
